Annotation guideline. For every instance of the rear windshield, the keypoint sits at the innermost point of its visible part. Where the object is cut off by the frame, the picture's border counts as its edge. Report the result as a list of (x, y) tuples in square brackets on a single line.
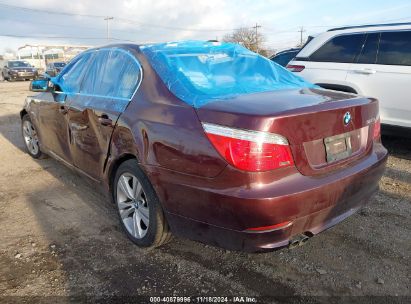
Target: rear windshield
[(199, 72), (18, 64)]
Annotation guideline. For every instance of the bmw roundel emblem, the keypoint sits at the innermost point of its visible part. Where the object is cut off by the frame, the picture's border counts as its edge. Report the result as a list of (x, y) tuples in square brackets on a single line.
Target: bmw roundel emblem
[(347, 118)]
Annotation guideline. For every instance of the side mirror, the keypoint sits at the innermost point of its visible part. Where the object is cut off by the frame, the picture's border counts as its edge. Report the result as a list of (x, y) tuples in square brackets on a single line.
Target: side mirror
[(41, 85)]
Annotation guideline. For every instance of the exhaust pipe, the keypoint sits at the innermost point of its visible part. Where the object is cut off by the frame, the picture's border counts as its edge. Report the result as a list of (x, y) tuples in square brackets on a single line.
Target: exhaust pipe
[(298, 240)]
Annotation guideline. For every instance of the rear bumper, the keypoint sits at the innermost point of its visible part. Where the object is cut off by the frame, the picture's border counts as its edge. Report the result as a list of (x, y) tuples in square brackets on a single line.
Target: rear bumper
[(219, 211)]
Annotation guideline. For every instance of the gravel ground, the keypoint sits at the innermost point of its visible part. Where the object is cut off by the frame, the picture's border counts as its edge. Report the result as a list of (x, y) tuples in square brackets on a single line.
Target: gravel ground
[(59, 237)]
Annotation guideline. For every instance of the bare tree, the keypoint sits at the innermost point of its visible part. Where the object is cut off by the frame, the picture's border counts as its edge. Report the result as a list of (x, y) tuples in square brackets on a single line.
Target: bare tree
[(248, 37)]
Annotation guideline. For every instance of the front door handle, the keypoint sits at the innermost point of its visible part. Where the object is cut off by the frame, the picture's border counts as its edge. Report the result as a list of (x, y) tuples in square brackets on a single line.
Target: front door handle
[(105, 120), (365, 71), (63, 110)]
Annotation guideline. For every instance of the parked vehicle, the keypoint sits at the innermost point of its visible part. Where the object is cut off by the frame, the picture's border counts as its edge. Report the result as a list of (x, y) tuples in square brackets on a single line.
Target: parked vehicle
[(18, 70), (174, 134), (54, 68), (284, 57), (371, 60)]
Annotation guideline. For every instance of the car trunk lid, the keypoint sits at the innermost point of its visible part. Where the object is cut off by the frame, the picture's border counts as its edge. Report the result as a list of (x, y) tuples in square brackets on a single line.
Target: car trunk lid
[(312, 120)]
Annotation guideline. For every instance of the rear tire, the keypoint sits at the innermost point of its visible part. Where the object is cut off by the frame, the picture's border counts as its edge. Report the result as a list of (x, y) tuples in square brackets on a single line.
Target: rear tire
[(139, 210), (30, 137)]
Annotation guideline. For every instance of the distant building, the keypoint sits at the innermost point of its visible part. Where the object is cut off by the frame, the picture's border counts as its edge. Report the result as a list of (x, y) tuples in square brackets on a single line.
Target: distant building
[(40, 55)]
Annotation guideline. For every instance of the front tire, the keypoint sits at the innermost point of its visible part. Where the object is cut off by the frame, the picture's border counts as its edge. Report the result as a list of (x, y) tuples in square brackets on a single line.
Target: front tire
[(30, 137), (139, 209)]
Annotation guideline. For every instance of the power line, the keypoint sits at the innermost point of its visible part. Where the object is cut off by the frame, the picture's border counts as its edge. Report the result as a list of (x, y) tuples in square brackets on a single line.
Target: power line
[(51, 37), (119, 19), (59, 25), (68, 37), (48, 11), (74, 26)]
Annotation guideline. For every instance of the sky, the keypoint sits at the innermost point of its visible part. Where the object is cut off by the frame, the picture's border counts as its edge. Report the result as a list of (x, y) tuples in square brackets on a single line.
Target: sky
[(145, 21)]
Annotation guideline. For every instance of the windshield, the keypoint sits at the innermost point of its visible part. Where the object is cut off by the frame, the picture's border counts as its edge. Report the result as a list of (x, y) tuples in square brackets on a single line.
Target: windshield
[(199, 72), (18, 64), (59, 64)]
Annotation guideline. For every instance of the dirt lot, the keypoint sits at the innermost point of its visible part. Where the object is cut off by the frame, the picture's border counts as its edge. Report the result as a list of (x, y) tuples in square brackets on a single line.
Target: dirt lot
[(60, 237)]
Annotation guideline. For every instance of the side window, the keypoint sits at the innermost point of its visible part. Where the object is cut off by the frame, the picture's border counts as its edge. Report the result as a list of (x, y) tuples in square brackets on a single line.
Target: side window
[(342, 49), (369, 51), (129, 79), (70, 81), (113, 73), (395, 48)]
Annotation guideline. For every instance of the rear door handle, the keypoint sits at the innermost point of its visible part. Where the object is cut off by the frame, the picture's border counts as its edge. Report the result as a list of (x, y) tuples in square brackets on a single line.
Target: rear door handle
[(63, 110), (365, 71), (105, 120)]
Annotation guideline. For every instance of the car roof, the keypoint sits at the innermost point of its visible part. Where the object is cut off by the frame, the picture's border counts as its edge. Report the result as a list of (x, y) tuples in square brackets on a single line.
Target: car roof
[(133, 46), (369, 26)]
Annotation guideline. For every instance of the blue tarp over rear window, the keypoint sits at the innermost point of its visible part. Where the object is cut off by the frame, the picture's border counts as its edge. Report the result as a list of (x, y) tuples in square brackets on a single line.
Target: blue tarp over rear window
[(199, 72)]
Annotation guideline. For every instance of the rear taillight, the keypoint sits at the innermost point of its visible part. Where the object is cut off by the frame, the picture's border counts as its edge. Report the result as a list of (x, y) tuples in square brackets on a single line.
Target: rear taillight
[(250, 150), (377, 130), (295, 68)]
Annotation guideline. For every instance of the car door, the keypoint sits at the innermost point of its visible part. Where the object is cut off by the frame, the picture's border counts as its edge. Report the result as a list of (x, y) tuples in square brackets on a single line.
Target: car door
[(384, 71), (331, 62), (107, 88), (50, 109)]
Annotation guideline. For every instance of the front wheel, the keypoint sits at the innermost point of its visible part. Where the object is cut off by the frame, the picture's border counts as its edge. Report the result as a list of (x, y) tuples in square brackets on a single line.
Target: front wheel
[(30, 137), (139, 209)]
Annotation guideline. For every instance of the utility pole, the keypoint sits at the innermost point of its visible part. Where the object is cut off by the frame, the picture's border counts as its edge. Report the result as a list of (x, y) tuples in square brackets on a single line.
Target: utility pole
[(302, 30), (108, 27), (256, 27)]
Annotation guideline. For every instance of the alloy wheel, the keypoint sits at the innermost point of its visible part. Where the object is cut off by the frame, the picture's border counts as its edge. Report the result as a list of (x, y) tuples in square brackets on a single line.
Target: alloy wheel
[(30, 137), (133, 205)]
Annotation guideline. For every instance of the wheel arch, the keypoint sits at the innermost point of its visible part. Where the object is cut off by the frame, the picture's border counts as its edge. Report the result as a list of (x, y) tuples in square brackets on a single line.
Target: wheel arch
[(22, 113), (114, 165)]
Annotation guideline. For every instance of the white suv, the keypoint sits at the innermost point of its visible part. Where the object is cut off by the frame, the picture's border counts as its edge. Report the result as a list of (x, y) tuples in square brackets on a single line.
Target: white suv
[(372, 60)]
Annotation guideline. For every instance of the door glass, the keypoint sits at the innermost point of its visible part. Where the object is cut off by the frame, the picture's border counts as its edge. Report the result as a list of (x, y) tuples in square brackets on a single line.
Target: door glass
[(342, 49), (71, 79), (113, 73), (369, 51), (395, 48)]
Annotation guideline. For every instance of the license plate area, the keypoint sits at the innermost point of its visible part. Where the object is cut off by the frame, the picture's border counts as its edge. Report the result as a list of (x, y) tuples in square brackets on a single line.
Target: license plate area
[(338, 147)]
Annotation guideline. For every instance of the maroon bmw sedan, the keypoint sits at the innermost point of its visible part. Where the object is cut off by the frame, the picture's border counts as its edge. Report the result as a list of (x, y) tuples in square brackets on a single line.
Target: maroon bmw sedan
[(208, 141)]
